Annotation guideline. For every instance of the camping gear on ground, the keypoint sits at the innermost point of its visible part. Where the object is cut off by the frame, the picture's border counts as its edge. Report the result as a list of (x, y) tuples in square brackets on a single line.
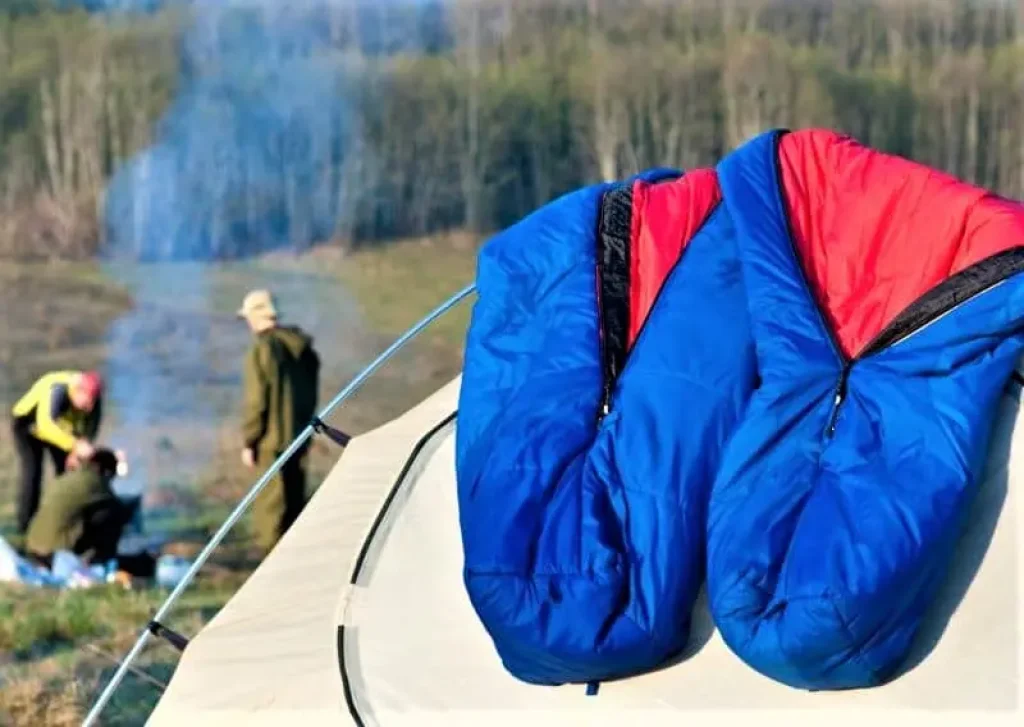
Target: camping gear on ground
[(75, 538), (15, 568), (64, 570), (170, 570), (70, 570)]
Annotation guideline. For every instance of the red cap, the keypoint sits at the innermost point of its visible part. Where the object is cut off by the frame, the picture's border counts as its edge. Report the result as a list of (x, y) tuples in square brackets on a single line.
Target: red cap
[(91, 383)]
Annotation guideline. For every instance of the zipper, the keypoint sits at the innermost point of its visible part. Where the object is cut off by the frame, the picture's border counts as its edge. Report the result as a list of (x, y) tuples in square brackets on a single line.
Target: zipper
[(611, 372), (910, 334), (607, 366), (604, 405), (838, 397), (871, 349), (606, 398), (845, 363), (612, 366)]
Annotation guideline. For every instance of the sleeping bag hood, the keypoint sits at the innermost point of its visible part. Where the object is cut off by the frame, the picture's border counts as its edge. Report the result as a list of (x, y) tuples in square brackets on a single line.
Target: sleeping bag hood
[(778, 375)]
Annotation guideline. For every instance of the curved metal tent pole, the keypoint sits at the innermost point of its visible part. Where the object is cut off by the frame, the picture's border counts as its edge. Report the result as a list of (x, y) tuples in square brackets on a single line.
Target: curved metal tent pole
[(242, 506)]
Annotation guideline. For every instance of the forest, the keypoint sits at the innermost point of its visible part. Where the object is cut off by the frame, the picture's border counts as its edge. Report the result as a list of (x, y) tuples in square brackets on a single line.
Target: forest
[(169, 130)]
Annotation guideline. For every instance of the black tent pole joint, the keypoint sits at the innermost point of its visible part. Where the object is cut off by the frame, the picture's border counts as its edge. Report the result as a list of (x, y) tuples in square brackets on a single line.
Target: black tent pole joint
[(171, 636), (335, 435)]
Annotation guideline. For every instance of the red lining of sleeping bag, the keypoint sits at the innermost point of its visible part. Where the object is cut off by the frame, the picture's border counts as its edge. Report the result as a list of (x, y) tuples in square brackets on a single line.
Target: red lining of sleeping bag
[(665, 218), (875, 232)]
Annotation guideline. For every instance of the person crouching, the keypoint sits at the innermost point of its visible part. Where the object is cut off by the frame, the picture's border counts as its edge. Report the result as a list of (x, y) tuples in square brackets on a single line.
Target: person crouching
[(80, 513)]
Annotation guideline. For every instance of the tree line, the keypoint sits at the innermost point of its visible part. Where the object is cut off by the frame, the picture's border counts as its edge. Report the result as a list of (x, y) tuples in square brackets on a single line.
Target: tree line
[(223, 132)]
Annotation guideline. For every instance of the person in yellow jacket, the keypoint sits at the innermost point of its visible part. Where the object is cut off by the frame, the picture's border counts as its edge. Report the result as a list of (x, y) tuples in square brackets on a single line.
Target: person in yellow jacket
[(59, 415)]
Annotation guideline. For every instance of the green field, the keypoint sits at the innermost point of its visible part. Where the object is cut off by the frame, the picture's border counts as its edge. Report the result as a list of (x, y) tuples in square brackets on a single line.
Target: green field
[(56, 650)]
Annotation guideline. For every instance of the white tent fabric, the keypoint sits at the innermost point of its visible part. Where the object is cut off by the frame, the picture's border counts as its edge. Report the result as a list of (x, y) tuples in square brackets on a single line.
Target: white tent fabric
[(412, 651)]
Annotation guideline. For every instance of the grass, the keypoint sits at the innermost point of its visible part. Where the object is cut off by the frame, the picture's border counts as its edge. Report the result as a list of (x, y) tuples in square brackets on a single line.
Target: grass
[(57, 649), (62, 648), (65, 619), (397, 289), (53, 314)]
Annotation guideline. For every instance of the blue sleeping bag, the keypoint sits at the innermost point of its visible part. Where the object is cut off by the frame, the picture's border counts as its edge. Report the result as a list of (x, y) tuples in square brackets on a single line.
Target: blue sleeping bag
[(887, 308), (607, 361)]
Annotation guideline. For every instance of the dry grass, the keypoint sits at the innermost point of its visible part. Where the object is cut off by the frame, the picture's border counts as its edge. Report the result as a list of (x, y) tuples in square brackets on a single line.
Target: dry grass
[(397, 288), (43, 701), (53, 314), (56, 650)]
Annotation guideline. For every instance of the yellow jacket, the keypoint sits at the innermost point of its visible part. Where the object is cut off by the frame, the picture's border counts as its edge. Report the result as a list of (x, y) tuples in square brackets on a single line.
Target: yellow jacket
[(52, 417)]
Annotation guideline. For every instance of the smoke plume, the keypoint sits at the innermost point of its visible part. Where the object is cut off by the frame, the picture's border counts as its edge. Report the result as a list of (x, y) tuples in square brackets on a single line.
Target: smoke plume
[(251, 156)]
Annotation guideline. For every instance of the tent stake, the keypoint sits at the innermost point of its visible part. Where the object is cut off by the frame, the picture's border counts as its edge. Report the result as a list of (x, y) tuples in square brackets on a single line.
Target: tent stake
[(240, 509)]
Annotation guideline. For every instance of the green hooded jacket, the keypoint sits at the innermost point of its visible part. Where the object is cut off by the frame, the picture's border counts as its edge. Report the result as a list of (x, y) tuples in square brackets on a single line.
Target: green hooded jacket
[(280, 381), (59, 523)]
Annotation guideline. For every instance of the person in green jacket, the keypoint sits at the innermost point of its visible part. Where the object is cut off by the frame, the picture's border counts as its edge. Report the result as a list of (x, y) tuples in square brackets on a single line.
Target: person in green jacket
[(60, 416), (280, 383), (81, 513)]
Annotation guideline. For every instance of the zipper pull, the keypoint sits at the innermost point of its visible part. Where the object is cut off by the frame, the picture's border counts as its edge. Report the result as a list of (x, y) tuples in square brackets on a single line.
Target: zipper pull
[(837, 402), (610, 375), (605, 407)]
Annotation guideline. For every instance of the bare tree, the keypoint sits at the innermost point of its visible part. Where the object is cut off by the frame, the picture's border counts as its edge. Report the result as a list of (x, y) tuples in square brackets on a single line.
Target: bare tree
[(469, 22), (608, 122), (1019, 30)]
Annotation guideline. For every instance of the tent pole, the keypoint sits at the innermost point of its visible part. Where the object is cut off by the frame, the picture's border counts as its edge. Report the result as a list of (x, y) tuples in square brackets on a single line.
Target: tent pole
[(242, 506)]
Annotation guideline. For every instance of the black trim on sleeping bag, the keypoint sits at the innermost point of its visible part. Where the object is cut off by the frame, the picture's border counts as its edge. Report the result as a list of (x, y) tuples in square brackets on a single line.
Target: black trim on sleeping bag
[(948, 294), (614, 241), (364, 551), (614, 250)]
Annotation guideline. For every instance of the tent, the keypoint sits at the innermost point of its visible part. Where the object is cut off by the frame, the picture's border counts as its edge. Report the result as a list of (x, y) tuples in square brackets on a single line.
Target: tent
[(360, 617)]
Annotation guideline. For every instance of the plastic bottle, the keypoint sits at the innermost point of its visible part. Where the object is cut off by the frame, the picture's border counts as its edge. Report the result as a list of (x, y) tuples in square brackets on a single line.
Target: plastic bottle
[(170, 569)]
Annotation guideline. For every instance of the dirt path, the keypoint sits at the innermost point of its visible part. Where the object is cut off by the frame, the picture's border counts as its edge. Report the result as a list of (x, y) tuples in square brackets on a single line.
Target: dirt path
[(174, 359)]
